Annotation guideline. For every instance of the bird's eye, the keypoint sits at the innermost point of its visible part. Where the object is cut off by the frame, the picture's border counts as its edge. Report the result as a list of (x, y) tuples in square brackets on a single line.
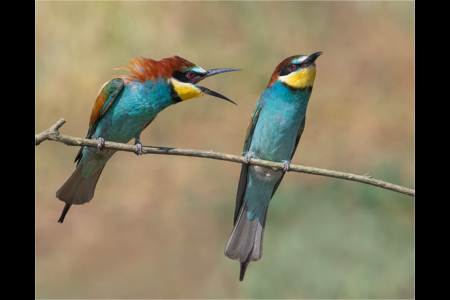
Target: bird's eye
[(190, 75), (293, 67)]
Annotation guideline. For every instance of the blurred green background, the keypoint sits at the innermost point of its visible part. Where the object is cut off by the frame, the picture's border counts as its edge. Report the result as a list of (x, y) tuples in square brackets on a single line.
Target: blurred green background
[(157, 225)]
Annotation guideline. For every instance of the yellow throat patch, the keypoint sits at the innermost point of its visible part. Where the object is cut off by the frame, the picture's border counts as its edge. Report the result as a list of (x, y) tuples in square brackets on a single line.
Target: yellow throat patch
[(186, 90), (300, 79)]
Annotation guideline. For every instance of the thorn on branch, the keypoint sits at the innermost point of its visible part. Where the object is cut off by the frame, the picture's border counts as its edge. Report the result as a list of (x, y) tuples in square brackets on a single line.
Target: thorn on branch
[(368, 175)]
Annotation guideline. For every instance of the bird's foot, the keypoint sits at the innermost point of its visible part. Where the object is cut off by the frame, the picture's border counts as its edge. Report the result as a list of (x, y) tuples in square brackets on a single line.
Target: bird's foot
[(286, 166), (101, 143), (247, 158), (138, 150)]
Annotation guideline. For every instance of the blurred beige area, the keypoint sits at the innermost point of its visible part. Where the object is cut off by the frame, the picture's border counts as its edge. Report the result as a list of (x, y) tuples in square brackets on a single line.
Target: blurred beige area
[(157, 225)]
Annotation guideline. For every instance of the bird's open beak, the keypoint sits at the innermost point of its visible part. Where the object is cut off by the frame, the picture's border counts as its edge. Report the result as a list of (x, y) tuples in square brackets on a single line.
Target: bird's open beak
[(216, 71), (215, 94), (211, 73), (311, 59)]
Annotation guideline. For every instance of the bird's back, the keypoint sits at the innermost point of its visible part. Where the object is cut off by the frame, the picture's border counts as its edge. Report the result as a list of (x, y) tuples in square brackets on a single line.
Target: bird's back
[(134, 108)]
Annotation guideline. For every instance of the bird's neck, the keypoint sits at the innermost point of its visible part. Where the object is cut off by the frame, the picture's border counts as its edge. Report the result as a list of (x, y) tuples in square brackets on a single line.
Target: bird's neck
[(282, 94)]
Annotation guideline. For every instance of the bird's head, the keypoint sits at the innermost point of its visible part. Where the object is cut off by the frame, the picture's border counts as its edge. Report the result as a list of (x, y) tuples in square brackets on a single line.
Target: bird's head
[(180, 73), (298, 71)]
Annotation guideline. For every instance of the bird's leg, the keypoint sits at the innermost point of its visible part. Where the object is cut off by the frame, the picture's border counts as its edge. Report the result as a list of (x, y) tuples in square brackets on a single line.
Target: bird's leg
[(101, 143), (247, 157), (286, 164), (137, 143)]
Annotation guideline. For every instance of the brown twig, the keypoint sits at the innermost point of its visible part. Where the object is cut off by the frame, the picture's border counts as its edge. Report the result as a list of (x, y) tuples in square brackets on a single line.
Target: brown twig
[(53, 134)]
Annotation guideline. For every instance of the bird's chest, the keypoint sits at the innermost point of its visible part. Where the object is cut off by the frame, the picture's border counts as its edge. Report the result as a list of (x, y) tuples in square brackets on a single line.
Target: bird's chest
[(276, 132)]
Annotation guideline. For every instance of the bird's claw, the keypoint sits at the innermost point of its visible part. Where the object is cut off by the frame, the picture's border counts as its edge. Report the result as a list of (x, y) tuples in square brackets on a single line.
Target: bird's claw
[(286, 166), (247, 158), (138, 150), (101, 143)]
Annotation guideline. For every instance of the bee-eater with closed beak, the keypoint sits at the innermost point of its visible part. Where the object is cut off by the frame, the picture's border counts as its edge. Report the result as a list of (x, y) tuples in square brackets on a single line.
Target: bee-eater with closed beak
[(125, 106), (273, 134)]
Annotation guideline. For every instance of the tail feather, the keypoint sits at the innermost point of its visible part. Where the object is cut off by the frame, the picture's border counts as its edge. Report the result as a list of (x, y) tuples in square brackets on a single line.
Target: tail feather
[(245, 242), (243, 269), (64, 212), (77, 189)]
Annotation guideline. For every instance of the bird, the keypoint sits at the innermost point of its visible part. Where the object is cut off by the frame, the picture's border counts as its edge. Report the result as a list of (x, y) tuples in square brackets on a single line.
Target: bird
[(124, 107), (273, 134)]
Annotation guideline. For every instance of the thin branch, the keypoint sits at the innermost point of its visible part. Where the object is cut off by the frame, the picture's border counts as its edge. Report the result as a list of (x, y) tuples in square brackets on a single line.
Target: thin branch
[(50, 134), (53, 134)]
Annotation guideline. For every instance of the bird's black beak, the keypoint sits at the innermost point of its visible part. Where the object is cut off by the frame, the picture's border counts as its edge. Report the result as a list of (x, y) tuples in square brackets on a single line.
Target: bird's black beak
[(311, 59), (211, 73), (215, 94), (215, 72)]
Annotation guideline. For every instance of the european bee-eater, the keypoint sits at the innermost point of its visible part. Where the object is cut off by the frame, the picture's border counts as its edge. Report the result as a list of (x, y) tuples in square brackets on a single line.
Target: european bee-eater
[(125, 106), (273, 134)]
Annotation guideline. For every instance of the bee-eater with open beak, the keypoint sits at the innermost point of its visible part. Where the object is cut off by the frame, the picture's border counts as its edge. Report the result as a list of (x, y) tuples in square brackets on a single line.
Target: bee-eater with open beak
[(273, 134), (125, 106)]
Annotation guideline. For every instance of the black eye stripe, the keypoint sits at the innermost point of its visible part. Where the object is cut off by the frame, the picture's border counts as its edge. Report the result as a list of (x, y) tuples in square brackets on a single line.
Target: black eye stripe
[(184, 76), (179, 76), (287, 70), (284, 71)]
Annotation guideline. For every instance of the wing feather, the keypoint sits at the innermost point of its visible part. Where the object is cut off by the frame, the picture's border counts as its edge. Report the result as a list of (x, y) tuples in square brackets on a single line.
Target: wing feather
[(244, 169), (299, 135), (106, 97)]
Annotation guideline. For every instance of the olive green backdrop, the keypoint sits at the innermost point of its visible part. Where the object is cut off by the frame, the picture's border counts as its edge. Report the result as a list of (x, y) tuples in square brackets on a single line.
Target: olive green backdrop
[(157, 225)]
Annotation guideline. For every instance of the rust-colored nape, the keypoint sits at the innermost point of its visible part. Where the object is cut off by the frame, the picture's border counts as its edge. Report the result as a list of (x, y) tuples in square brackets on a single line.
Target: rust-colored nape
[(149, 69)]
